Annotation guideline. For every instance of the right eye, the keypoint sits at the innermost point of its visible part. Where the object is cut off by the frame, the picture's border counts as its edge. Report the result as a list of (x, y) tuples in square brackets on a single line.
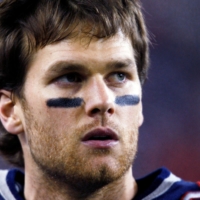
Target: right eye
[(69, 78)]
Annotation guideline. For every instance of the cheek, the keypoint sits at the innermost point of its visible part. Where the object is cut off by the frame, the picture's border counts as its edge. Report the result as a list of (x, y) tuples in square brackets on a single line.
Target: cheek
[(131, 115), (62, 120)]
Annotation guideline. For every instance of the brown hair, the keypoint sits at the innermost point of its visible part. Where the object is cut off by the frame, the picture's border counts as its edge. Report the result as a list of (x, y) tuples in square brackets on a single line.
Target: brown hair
[(27, 26)]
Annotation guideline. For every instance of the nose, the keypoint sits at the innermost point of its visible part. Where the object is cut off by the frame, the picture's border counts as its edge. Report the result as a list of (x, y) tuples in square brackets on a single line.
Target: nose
[(99, 99)]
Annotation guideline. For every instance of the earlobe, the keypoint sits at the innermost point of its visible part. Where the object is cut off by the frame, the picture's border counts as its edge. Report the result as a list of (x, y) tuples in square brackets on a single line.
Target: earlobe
[(8, 115)]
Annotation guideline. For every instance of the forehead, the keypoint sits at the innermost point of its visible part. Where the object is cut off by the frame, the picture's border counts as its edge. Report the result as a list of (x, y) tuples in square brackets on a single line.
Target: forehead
[(85, 50)]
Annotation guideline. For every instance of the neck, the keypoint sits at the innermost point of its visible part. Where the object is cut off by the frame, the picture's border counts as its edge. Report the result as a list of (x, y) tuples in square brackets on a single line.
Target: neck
[(39, 187)]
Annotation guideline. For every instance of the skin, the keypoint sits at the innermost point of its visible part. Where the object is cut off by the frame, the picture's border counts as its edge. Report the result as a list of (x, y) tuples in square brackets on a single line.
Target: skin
[(57, 164)]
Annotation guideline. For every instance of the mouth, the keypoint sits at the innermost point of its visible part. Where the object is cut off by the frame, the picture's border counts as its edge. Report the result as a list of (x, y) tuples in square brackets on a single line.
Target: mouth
[(100, 138)]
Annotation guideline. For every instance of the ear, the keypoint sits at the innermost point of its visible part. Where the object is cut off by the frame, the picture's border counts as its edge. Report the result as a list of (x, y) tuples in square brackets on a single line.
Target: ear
[(8, 113)]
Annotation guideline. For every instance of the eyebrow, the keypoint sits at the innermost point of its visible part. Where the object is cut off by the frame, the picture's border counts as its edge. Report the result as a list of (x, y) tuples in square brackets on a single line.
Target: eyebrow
[(65, 66), (61, 67), (118, 64)]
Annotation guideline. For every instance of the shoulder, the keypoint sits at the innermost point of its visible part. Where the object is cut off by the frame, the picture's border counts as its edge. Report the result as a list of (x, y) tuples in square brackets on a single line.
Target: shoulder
[(164, 185), (11, 184)]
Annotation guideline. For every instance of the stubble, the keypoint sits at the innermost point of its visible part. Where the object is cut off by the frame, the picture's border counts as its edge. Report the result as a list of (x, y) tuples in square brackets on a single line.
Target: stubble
[(58, 155)]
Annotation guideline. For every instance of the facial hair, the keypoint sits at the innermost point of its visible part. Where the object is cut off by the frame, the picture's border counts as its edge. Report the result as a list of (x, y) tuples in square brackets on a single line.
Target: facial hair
[(59, 157)]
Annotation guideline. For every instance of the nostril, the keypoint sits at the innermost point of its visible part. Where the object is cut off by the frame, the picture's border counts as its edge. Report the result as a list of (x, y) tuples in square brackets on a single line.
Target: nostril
[(101, 111), (110, 111), (95, 111)]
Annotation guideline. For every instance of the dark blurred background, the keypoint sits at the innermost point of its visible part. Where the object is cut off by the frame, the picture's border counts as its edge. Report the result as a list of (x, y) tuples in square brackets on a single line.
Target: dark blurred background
[(170, 135)]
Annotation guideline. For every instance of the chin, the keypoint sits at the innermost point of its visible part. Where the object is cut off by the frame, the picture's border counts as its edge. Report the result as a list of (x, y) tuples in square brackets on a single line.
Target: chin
[(93, 178)]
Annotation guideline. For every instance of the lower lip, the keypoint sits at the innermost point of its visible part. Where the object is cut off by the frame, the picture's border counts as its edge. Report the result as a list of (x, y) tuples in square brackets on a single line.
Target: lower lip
[(100, 144)]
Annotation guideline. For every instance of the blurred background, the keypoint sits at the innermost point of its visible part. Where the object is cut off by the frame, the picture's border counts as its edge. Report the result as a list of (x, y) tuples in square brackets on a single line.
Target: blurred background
[(170, 135)]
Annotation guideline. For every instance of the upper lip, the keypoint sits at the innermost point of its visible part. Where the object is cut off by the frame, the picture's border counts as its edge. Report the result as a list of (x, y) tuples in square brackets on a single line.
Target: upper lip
[(100, 134)]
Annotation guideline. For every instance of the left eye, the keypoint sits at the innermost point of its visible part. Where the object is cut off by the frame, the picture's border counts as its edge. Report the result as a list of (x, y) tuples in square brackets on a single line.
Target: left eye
[(121, 76), (117, 77)]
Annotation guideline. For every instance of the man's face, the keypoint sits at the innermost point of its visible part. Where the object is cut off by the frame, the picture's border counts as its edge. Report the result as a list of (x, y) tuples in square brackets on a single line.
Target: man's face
[(82, 109)]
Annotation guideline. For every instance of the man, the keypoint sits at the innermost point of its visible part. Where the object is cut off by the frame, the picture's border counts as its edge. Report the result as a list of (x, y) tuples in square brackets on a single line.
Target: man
[(70, 106)]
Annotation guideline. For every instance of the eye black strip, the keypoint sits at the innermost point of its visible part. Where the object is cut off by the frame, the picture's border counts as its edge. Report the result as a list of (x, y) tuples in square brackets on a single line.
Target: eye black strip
[(127, 100), (64, 102)]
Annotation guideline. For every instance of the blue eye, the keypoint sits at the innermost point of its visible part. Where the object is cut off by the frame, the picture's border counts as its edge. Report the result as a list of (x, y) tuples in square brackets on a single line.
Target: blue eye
[(121, 76), (118, 77)]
